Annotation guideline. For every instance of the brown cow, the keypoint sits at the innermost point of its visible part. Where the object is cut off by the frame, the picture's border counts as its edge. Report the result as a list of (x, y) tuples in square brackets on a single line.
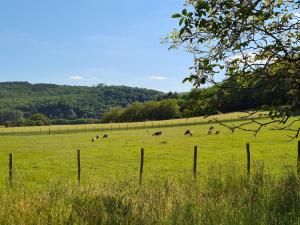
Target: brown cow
[(188, 132)]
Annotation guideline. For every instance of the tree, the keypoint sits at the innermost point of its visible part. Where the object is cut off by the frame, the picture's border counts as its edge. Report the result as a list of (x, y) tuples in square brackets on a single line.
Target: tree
[(256, 42), (152, 110), (113, 115), (10, 115), (39, 119), (168, 109)]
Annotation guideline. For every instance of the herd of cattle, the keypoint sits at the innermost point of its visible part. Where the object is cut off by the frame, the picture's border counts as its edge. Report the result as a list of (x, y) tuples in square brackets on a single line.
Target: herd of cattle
[(188, 132), (98, 136)]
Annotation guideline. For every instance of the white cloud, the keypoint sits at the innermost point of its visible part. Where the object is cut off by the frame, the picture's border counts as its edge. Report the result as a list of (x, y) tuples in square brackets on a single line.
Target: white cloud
[(158, 78), (76, 77)]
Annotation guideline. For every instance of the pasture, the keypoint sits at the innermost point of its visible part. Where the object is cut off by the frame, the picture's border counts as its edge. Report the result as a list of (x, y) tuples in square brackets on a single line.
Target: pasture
[(39, 159), (45, 189)]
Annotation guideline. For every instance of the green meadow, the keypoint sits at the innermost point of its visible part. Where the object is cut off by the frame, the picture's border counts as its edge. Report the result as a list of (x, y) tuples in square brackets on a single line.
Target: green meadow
[(38, 159), (45, 190)]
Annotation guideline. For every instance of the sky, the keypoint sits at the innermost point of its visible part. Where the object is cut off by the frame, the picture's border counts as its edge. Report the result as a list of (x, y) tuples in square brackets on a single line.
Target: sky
[(87, 42)]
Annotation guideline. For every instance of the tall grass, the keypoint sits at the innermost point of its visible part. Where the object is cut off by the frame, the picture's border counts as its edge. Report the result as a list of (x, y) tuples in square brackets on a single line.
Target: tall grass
[(224, 196)]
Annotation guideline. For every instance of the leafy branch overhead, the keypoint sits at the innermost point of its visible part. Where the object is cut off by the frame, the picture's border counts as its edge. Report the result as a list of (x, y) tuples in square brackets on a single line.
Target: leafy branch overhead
[(253, 43)]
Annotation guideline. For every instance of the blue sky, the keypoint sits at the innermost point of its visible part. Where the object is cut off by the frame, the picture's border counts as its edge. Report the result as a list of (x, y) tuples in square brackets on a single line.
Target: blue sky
[(85, 42)]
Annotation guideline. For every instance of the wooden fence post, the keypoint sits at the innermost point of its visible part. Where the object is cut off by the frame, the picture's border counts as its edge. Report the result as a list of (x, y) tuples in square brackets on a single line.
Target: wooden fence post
[(248, 159), (10, 169), (49, 131), (78, 166), (142, 165), (298, 162), (195, 161)]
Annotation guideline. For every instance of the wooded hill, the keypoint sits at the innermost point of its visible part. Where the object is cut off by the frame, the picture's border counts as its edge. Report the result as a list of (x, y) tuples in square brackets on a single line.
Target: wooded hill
[(66, 102)]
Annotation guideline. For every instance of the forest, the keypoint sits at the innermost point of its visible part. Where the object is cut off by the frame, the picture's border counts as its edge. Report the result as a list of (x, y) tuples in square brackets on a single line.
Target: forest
[(22, 103), (230, 97)]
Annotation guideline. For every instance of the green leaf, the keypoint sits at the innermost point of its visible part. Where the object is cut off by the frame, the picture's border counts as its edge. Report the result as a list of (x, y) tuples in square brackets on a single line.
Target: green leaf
[(184, 12), (203, 80), (186, 79), (181, 32), (176, 15), (205, 62), (181, 21), (203, 5)]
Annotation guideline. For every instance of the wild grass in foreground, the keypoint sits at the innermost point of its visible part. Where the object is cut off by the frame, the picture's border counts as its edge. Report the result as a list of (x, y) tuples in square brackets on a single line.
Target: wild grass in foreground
[(218, 198)]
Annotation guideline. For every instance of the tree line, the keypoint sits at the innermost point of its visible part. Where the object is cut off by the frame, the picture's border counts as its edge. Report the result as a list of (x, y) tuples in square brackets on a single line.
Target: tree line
[(198, 102), (204, 101), (62, 104), (152, 110)]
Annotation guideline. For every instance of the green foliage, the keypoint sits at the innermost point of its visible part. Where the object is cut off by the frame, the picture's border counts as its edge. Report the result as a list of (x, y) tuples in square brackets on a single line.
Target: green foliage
[(39, 119), (113, 114), (74, 122), (168, 109), (205, 101), (254, 42), (214, 99), (152, 110), (10, 115), (65, 102)]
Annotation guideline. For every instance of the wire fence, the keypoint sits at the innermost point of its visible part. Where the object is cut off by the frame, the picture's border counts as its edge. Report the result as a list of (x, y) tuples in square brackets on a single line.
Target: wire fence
[(66, 129), (77, 167)]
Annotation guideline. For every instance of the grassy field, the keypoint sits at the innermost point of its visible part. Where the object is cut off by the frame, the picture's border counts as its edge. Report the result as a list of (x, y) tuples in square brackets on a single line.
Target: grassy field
[(39, 159), (119, 126), (45, 189)]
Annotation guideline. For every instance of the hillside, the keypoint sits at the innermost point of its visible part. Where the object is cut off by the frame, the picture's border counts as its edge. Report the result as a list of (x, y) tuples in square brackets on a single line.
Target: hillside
[(68, 102)]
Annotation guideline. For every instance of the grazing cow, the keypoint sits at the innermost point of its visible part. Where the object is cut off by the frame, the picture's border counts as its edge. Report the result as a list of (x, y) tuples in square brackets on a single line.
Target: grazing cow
[(217, 132), (94, 139), (188, 132), (98, 136), (209, 132), (105, 136), (211, 128), (157, 133)]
